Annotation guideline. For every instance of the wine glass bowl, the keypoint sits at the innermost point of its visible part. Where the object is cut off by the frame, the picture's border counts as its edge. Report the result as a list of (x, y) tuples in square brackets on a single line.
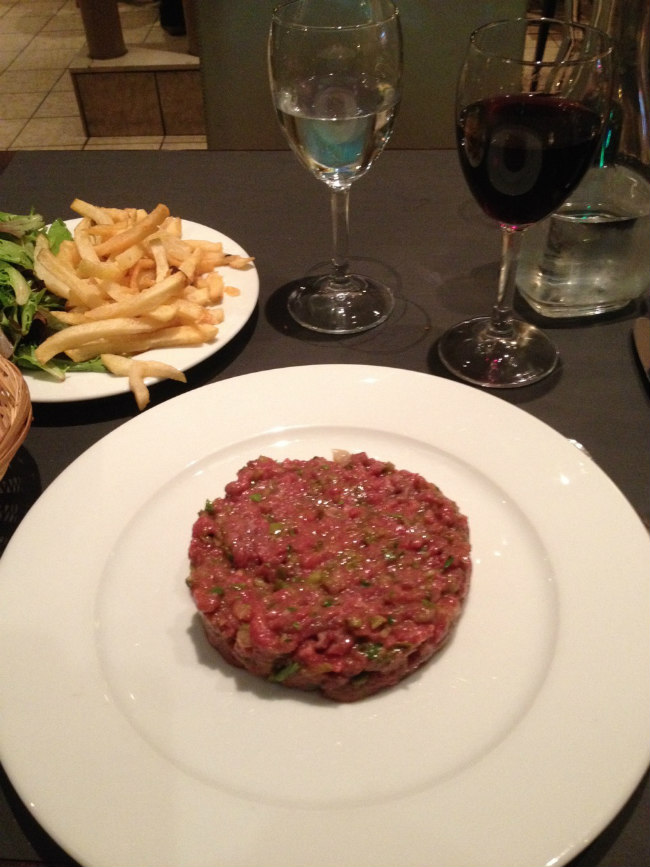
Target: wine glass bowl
[(531, 104), (335, 73)]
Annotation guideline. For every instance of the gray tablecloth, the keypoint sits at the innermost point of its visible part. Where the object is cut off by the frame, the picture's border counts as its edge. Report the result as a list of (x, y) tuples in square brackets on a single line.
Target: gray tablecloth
[(414, 222)]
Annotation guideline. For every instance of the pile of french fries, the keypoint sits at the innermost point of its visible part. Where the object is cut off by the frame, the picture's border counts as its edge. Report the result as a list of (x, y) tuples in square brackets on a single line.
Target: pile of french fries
[(132, 283)]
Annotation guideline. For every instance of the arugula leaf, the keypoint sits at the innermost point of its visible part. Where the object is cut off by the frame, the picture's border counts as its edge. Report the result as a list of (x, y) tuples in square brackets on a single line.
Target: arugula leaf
[(56, 233), (17, 254), (25, 303), (14, 278)]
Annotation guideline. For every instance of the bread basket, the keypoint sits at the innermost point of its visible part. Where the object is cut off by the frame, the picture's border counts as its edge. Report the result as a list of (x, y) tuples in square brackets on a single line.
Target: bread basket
[(15, 412)]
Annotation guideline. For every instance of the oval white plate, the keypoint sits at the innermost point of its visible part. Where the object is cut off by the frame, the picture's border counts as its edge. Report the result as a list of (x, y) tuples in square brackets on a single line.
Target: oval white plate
[(133, 743), (238, 309)]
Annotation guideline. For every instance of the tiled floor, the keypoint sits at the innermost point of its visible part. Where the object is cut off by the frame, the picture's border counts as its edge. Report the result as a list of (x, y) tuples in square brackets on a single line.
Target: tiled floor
[(39, 41)]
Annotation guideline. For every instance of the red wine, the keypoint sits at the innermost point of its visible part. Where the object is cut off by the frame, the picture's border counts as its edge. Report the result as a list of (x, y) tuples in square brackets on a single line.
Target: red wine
[(523, 154)]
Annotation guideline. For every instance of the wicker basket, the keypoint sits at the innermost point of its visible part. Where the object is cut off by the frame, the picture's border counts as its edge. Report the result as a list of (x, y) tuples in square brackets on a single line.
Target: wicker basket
[(15, 412)]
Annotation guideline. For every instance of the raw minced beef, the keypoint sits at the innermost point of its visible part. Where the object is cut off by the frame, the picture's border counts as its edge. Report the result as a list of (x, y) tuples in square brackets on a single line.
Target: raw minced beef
[(340, 575)]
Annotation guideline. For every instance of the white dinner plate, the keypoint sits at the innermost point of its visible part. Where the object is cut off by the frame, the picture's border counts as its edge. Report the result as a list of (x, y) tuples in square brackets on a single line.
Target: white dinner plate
[(133, 743), (81, 385)]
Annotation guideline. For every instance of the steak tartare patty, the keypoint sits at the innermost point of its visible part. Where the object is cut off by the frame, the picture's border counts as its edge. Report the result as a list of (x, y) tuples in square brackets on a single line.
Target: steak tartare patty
[(340, 575)]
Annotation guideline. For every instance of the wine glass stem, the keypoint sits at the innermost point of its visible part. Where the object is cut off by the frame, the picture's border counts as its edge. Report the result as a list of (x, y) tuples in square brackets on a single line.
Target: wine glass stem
[(511, 239), (340, 199)]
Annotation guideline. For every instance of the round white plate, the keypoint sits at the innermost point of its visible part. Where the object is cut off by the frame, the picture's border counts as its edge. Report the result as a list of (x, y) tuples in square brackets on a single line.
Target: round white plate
[(238, 309), (133, 743)]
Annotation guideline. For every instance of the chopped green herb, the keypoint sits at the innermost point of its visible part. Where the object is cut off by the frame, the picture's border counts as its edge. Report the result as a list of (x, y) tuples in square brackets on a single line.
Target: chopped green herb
[(317, 576), (284, 672), (370, 649), (448, 562)]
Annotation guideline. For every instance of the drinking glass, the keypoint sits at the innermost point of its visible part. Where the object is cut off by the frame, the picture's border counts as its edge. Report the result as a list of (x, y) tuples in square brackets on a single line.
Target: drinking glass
[(335, 70), (531, 103)]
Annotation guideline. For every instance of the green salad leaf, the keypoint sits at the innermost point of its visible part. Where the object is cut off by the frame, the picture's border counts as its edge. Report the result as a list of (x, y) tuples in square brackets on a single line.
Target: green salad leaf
[(20, 224), (15, 253), (25, 303)]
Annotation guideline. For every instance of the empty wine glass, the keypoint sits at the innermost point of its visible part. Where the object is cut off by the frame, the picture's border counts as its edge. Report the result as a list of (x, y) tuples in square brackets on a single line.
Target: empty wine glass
[(335, 71), (532, 100)]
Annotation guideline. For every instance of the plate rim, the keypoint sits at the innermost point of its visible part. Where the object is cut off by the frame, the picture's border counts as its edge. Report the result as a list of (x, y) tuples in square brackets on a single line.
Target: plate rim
[(574, 839)]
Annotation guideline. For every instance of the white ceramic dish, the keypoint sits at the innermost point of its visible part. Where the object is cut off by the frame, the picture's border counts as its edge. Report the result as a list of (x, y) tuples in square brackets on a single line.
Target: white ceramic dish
[(134, 744), (237, 308)]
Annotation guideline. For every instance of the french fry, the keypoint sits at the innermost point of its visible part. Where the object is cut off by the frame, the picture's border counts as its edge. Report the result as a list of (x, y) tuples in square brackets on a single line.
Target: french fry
[(211, 259), (77, 335), (160, 258), (173, 226), (88, 294), (117, 291), (208, 331), (143, 302), (198, 295), (138, 387), (214, 284), (239, 261), (189, 265), (165, 314), (48, 268), (128, 258), (82, 239), (188, 312), (134, 234), (118, 365), (176, 249), (137, 371), (68, 253), (69, 317), (106, 231), (212, 246), (95, 213), (100, 270), (61, 278), (130, 344), (142, 275), (121, 365)]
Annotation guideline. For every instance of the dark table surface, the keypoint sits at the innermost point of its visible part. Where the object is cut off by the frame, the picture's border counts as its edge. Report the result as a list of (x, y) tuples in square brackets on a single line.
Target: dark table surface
[(413, 221)]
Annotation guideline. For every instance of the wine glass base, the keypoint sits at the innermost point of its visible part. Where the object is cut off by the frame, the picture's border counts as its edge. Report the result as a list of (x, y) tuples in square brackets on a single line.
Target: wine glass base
[(478, 354), (340, 307)]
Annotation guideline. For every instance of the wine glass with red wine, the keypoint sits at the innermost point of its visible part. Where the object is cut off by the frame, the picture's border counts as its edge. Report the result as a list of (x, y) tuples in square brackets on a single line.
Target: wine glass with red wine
[(532, 99)]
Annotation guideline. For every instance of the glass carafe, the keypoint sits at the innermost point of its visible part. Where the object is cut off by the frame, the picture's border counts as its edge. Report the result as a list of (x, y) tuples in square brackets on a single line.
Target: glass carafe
[(591, 257)]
